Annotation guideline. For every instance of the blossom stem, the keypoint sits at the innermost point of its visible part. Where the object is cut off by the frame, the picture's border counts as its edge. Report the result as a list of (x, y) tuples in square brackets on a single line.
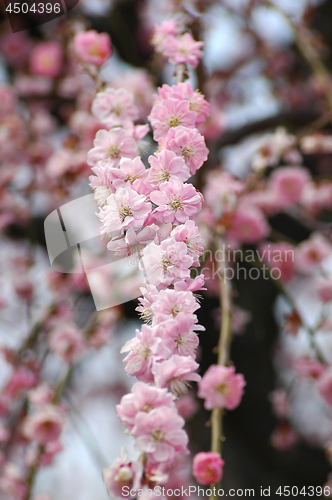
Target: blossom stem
[(223, 356)]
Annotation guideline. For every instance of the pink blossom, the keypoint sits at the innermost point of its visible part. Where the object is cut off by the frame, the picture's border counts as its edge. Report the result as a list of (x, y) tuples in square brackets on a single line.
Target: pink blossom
[(208, 467), (189, 234), (184, 91), (20, 380), (221, 387), (133, 243), (122, 473), (159, 433), (311, 253), (123, 209), (166, 263), (143, 348), (279, 256), (46, 59), (129, 171), (115, 107), (143, 398), (324, 287), (288, 183), (324, 385), (67, 342), (179, 337), (177, 202), (168, 304), (169, 114), (111, 146), (92, 47), (41, 396), (183, 49), (100, 184), (187, 406), (248, 226), (12, 482), (166, 166), (44, 426), (190, 285), (150, 294), (189, 144), (175, 373), (161, 33)]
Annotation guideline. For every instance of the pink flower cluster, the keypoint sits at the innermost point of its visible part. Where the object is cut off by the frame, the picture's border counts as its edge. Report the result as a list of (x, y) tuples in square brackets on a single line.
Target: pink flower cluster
[(151, 212), (177, 48)]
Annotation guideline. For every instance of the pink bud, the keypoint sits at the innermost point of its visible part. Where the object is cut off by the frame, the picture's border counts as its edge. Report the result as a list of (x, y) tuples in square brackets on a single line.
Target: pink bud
[(208, 467)]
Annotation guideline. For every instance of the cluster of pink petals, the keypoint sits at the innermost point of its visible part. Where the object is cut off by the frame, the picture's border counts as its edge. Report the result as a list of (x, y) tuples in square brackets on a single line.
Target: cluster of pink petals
[(150, 212), (46, 59), (111, 146), (177, 48), (122, 473), (161, 32), (183, 49), (115, 107), (189, 144), (221, 387), (44, 426), (124, 208), (208, 467), (177, 202), (66, 341), (93, 47)]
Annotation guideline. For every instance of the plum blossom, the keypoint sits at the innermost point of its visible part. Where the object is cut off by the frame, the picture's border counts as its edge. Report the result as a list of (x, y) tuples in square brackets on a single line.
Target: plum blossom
[(177, 202), (122, 473), (311, 253), (170, 303), (287, 184), (93, 47), (129, 171), (45, 426), (166, 166), (143, 398), (110, 146), (115, 107), (183, 49), (189, 234), (159, 433), (150, 294), (46, 59), (208, 467), (179, 336), (189, 144), (175, 373), (185, 91), (161, 33), (166, 263), (67, 342), (123, 209), (221, 387), (142, 350), (169, 114), (248, 226), (133, 242)]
